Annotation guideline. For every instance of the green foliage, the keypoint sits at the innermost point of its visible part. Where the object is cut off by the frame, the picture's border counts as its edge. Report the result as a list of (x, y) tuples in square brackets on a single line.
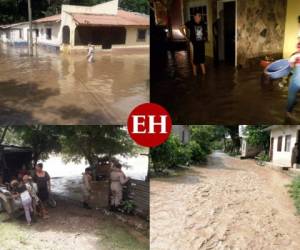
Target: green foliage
[(295, 192), (127, 207), (42, 139), (257, 137), (92, 142), (141, 6), (169, 154)]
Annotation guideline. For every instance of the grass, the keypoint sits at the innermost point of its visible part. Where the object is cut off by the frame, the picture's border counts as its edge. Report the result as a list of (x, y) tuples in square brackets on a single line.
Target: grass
[(111, 236), (116, 238), (295, 192)]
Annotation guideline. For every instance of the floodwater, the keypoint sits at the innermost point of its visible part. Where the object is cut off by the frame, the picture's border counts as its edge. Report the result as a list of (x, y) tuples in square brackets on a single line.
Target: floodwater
[(225, 95), (52, 88), (66, 178)]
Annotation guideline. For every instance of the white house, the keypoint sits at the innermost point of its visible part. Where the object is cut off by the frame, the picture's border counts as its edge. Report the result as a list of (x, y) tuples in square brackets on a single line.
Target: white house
[(182, 132), (104, 25), (247, 150), (282, 141)]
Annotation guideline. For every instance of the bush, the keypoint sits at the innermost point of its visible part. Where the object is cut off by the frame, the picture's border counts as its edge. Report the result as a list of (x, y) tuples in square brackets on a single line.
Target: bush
[(169, 154), (295, 192), (198, 154)]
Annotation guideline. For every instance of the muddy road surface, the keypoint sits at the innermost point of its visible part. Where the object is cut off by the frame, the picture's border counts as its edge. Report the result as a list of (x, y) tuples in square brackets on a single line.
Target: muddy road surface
[(226, 204), (52, 88)]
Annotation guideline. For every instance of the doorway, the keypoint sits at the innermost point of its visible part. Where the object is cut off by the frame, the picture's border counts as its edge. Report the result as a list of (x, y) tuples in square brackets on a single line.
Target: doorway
[(66, 35), (271, 149), (230, 32)]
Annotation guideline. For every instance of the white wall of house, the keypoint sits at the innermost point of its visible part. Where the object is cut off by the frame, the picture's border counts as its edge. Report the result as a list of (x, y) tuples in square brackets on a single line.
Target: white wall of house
[(132, 38), (283, 157), (55, 33), (182, 132), (108, 8)]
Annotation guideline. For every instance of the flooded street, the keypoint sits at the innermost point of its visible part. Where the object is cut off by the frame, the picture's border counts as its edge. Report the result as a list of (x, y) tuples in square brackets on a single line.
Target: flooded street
[(226, 204), (51, 88), (66, 178), (224, 95)]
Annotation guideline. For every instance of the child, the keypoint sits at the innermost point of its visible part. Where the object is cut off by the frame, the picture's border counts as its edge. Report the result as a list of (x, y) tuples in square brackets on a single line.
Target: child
[(26, 200), (294, 87), (32, 189), (90, 55)]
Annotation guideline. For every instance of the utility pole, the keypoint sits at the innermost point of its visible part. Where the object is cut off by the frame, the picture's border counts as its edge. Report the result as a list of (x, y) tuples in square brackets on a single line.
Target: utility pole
[(30, 28)]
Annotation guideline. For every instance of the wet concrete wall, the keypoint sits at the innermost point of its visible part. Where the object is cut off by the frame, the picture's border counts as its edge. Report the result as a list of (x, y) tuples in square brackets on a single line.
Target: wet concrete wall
[(260, 29)]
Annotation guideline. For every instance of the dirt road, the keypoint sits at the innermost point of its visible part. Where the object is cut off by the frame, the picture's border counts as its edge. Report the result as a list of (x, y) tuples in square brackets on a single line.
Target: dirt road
[(227, 204), (72, 227)]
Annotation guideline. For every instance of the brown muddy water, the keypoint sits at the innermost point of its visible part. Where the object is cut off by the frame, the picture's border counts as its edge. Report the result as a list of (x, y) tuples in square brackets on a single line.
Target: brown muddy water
[(51, 88), (225, 95)]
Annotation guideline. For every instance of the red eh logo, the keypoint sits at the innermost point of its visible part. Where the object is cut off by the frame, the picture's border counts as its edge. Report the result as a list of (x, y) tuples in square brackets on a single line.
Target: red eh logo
[(149, 124)]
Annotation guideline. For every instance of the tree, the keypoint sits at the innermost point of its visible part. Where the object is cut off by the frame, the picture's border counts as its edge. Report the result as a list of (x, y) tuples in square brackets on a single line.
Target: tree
[(257, 136), (43, 140), (94, 142)]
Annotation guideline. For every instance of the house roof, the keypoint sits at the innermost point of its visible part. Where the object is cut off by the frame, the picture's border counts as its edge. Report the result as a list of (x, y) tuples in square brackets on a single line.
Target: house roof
[(47, 19), (6, 26), (15, 149), (123, 18)]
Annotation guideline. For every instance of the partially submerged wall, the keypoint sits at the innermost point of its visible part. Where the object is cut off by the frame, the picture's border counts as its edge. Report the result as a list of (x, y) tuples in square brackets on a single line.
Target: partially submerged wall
[(260, 29)]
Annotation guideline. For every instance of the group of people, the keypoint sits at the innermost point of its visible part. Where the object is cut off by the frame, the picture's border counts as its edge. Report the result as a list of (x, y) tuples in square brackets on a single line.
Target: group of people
[(32, 191), (117, 180)]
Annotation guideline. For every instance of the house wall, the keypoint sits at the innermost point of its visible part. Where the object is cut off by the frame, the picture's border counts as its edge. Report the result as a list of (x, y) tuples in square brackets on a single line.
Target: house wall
[(109, 8), (131, 37), (283, 158), (182, 132), (260, 29), (292, 27), (195, 3), (56, 34)]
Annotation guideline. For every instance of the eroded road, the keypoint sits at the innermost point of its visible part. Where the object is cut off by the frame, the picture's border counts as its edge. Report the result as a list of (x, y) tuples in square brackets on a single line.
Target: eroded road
[(51, 88), (227, 204)]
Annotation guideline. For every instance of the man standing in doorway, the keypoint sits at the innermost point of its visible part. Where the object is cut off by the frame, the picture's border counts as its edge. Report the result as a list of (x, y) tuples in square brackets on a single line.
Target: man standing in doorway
[(195, 31)]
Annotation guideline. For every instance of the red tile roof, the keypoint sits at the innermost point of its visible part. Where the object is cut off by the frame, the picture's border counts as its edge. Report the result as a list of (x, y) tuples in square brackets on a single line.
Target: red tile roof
[(55, 18), (123, 18)]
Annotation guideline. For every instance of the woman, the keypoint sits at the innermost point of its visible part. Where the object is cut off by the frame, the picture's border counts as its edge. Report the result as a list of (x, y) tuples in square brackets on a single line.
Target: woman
[(117, 179), (42, 179), (294, 86), (197, 37)]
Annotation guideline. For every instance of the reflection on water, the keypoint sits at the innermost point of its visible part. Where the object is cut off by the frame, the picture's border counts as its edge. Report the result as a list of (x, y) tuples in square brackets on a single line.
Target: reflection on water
[(225, 95), (66, 177), (61, 88)]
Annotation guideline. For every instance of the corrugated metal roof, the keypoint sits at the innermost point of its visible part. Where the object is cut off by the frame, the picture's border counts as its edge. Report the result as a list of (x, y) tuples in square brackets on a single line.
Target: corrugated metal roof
[(123, 18)]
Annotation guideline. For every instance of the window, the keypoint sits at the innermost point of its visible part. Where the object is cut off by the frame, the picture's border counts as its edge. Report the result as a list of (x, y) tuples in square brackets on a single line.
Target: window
[(287, 146), (201, 10), (183, 137), (48, 34), (141, 35), (21, 34), (279, 143), (37, 33)]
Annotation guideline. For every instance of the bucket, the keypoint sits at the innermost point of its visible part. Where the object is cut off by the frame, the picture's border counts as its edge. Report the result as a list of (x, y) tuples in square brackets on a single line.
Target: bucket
[(278, 69)]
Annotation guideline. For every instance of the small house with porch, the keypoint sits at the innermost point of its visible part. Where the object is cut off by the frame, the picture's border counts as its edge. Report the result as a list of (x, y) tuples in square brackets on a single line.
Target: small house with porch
[(282, 141), (104, 25)]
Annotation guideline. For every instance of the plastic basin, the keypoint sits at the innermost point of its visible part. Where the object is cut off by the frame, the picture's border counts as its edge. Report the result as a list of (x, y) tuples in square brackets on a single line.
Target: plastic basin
[(278, 69)]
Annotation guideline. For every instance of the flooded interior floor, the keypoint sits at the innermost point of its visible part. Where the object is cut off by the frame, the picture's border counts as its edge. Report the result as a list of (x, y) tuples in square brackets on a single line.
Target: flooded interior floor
[(52, 88), (226, 95)]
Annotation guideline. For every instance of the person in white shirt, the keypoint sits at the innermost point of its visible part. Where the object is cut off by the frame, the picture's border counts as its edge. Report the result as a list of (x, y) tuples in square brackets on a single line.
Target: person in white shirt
[(91, 52)]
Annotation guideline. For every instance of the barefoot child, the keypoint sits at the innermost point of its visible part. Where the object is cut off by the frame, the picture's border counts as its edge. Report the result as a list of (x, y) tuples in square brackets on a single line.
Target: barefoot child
[(22, 192), (294, 87)]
